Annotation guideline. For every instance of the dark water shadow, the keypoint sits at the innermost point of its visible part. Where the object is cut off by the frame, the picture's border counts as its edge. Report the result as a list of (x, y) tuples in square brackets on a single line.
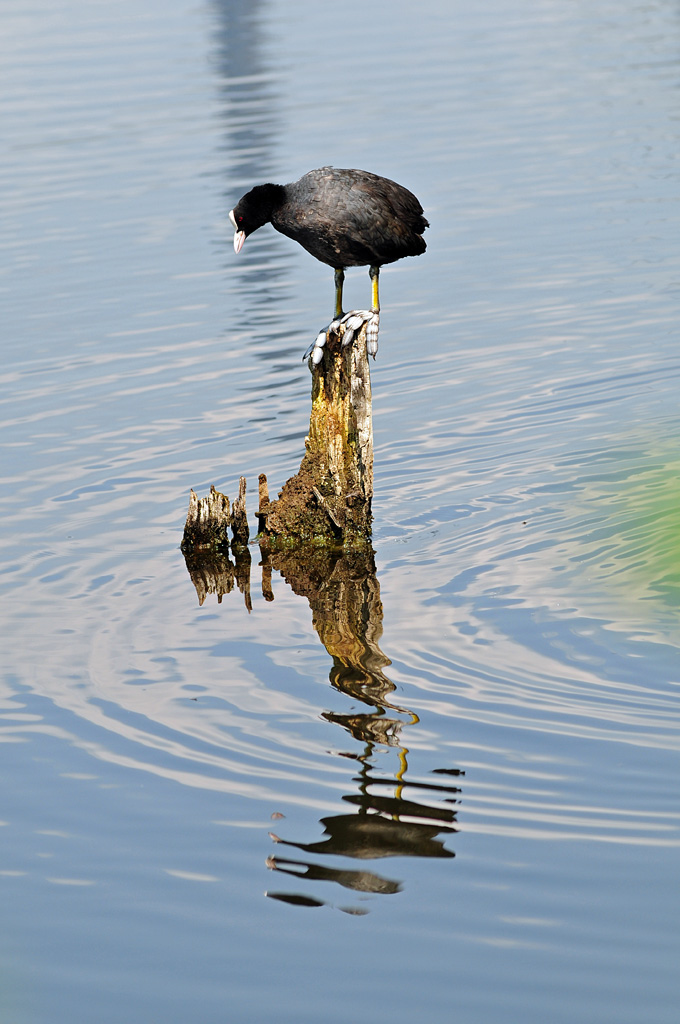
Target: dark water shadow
[(250, 109), (252, 124), (392, 815)]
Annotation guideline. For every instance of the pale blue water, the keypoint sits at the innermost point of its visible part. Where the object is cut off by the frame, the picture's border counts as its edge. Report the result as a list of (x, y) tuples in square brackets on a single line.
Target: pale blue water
[(525, 712)]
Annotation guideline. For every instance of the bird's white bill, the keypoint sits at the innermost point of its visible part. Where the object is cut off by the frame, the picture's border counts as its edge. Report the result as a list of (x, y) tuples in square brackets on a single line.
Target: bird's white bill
[(239, 236)]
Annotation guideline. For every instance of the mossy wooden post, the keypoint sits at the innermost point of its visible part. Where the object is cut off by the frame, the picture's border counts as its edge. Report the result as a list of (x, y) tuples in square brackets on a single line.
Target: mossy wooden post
[(329, 499)]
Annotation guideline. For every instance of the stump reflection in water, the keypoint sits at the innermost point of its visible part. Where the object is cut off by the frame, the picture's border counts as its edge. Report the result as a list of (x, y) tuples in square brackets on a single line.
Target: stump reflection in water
[(394, 816)]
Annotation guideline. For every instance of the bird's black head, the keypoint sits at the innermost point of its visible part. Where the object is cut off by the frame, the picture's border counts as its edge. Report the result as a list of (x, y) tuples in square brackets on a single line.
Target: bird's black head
[(254, 210)]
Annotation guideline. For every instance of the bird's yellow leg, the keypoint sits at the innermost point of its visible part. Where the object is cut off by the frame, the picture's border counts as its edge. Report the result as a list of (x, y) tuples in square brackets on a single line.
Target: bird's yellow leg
[(339, 279), (403, 766), (374, 273)]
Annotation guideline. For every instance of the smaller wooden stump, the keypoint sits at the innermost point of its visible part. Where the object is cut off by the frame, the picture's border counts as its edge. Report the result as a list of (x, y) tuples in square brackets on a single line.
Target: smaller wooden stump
[(205, 544), (207, 521)]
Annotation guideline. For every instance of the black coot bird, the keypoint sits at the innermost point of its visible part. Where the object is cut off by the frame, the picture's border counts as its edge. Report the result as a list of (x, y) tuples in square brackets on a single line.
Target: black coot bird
[(343, 217)]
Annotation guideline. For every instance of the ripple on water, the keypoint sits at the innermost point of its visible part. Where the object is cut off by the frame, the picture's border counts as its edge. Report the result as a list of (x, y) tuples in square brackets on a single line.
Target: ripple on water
[(561, 597)]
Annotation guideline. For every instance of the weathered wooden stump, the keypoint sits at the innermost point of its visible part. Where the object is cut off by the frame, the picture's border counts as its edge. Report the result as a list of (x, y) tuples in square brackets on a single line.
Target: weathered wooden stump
[(328, 501), (329, 498), (208, 520)]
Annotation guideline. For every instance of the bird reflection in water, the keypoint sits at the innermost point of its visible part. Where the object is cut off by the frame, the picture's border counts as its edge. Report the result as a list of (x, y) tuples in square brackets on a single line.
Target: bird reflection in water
[(386, 825), (395, 816)]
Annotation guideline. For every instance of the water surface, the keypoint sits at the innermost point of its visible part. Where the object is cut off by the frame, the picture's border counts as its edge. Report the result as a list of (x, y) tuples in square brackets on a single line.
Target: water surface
[(458, 800)]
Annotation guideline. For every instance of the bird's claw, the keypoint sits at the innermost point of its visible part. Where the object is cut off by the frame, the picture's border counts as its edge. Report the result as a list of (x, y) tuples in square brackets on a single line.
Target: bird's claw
[(352, 322), (315, 350), (372, 334)]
